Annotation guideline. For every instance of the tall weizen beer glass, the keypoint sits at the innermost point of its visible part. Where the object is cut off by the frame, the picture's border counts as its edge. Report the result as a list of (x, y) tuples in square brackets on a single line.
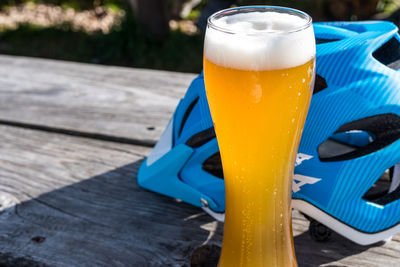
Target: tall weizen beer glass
[(259, 72)]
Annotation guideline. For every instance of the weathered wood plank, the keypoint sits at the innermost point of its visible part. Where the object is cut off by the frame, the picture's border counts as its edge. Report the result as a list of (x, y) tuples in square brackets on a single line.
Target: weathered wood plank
[(81, 196), (68, 201), (124, 102)]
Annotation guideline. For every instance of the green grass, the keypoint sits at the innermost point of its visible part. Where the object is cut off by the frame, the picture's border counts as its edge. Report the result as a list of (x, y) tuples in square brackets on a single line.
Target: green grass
[(125, 45), (388, 6)]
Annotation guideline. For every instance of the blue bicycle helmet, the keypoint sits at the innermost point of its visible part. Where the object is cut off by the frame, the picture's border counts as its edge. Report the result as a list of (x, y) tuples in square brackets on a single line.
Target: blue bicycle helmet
[(350, 139)]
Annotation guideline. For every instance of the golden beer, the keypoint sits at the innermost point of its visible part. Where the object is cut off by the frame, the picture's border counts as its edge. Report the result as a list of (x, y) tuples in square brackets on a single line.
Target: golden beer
[(259, 109)]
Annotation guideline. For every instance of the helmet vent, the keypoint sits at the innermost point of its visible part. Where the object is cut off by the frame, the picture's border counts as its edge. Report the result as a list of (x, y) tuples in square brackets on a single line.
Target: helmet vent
[(320, 84), (386, 189), (343, 143), (213, 165), (389, 54), (187, 113), (361, 137), (201, 138), (325, 40)]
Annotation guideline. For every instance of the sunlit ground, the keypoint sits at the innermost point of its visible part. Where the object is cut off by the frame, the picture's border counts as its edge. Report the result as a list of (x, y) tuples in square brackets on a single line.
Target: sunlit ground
[(100, 18)]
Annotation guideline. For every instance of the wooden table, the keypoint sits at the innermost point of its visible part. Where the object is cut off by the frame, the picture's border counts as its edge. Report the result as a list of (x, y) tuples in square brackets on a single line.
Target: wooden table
[(72, 137)]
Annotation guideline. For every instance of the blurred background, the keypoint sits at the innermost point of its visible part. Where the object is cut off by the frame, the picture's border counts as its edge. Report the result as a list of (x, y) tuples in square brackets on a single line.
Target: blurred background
[(156, 34)]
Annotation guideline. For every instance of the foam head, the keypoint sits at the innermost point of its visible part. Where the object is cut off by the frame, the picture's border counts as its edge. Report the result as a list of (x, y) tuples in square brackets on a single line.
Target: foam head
[(259, 40)]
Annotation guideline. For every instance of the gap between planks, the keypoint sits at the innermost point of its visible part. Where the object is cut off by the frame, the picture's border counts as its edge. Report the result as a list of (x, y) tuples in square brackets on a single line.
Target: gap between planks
[(76, 133)]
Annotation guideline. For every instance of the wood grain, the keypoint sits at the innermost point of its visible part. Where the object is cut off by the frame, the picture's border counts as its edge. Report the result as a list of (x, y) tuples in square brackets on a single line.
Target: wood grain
[(114, 101), (81, 196), (69, 201)]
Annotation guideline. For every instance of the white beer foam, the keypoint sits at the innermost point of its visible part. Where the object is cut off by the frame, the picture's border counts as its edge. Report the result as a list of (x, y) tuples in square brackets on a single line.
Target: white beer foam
[(260, 41)]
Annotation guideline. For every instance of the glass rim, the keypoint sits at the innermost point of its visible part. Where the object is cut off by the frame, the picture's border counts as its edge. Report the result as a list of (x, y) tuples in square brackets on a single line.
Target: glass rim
[(259, 7)]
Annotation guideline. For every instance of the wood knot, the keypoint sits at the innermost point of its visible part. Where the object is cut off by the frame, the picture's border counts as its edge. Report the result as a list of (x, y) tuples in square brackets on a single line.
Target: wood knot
[(205, 256), (38, 239)]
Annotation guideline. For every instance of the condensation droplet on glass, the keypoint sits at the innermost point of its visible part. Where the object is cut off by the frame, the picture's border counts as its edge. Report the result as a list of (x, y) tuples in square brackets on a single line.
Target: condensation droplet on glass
[(293, 120), (299, 93), (304, 80), (310, 71)]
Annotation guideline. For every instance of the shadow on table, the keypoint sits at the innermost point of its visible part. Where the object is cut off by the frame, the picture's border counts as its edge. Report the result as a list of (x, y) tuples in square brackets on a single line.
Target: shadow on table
[(109, 220), (312, 253), (105, 220)]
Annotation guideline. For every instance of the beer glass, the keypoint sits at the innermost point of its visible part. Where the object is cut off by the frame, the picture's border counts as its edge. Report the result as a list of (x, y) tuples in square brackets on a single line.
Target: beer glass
[(259, 67)]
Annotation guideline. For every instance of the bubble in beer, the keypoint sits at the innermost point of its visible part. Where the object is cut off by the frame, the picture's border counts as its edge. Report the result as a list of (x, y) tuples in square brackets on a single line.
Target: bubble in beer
[(259, 41)]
